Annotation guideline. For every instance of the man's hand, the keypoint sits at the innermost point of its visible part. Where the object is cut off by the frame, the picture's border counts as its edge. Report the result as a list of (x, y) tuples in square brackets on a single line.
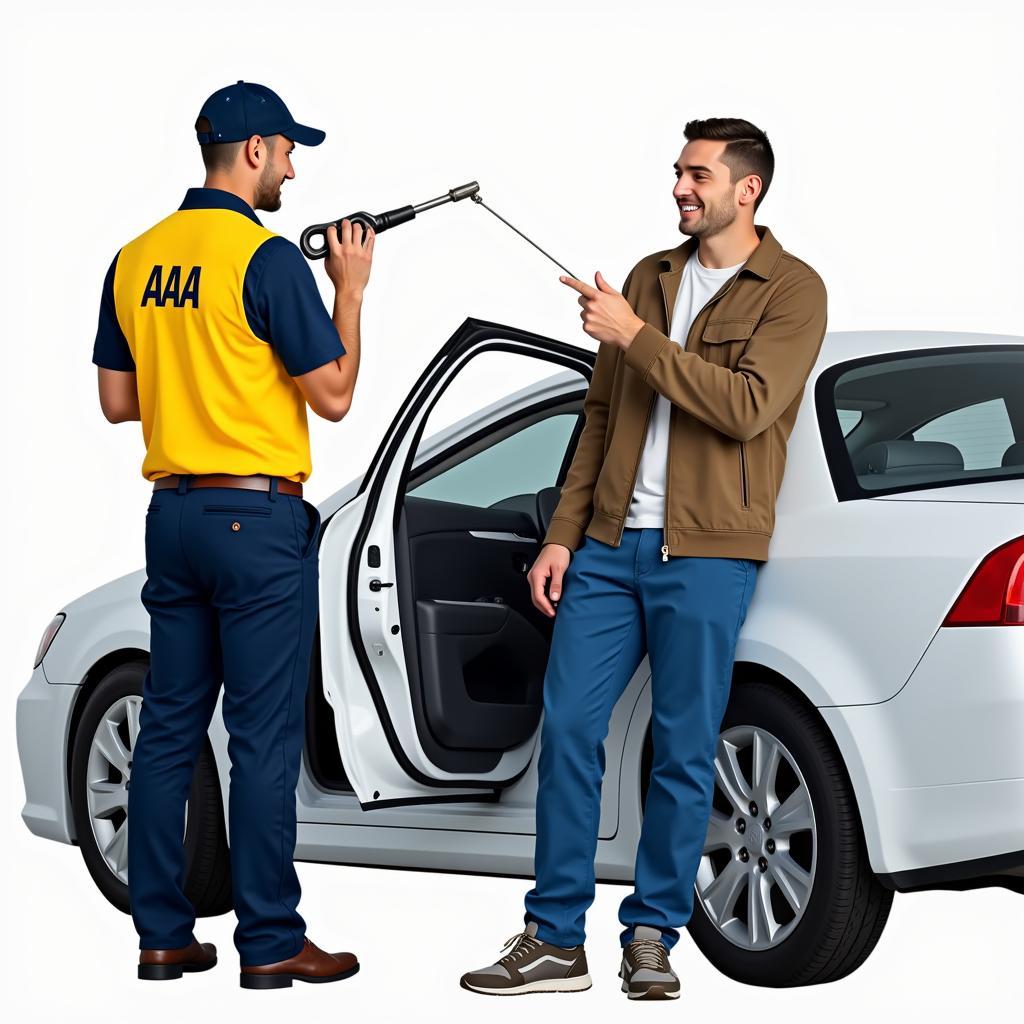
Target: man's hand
[(551, 564), (606, 314), (348, 258)]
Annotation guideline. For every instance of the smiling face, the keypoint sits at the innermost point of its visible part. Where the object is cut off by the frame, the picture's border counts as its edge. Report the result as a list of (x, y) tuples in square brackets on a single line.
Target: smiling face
[(707, 198), (277, 169)]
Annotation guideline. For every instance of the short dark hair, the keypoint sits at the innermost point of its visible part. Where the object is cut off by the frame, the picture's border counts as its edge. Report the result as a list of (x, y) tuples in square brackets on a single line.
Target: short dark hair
[(220, 156), (217, 156), (747, 149)]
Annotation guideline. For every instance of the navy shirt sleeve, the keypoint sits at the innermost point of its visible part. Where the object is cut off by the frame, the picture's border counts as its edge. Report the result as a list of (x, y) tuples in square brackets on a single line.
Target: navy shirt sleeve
[(284, 308), (110, 350)]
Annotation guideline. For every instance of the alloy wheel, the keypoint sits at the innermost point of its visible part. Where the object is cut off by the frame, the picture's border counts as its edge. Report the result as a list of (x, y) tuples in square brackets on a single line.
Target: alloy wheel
[(109, 774), (757, 869)]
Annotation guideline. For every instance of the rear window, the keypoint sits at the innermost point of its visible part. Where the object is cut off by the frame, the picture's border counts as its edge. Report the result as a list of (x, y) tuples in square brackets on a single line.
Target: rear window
[(936, 417)]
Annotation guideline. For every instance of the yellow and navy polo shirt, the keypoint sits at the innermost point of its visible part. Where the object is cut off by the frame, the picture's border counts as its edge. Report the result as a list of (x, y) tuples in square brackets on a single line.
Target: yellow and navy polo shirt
[(215, 315)]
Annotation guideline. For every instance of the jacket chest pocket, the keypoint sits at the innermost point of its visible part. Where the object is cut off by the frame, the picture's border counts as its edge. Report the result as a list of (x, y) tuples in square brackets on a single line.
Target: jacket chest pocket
[(725, 339)]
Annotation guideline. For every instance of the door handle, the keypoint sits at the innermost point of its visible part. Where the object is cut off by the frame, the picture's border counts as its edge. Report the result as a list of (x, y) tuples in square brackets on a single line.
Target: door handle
[(502, 535)]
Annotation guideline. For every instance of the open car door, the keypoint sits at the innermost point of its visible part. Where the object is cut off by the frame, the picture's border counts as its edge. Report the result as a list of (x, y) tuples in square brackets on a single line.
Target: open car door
[(432, 653)]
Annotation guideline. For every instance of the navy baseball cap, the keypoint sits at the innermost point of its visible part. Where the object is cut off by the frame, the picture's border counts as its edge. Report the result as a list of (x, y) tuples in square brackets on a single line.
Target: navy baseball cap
[(239, 111)]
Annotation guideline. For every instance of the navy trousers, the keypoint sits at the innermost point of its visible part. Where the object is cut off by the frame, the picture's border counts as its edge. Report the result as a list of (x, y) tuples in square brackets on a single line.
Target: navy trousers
[(231, 591), (616, 604)]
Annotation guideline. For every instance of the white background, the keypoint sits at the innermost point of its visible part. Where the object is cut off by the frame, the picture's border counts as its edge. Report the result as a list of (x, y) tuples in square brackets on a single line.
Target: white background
[(897, 133)]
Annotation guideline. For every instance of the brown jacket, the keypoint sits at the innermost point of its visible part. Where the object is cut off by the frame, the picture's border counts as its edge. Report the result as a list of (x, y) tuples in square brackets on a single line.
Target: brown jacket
[(735, 389)]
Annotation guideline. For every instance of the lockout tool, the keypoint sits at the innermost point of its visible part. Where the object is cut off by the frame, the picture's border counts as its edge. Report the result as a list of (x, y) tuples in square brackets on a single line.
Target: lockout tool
[(392, 218)]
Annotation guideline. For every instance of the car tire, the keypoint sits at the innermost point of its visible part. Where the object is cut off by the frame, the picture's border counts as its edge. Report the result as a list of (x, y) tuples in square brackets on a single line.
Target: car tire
[(847, 908), (207, 859)]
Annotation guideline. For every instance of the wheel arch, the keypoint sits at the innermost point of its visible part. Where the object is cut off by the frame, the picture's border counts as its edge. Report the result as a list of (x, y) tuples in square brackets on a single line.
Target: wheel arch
[(92, 678), (207, 880), (746, 673)]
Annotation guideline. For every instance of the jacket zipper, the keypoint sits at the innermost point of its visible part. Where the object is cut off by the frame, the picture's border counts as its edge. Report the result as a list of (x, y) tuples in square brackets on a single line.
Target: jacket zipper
[(668, 477), (668, 455)]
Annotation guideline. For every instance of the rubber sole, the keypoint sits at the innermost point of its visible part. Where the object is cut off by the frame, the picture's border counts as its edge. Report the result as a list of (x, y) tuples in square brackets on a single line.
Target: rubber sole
[(170, 972), (262, 982), (580, 984), (653, 991)]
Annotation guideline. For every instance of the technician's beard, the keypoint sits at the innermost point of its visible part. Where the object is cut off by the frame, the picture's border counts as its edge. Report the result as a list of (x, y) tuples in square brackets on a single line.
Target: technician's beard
[(268, 191)]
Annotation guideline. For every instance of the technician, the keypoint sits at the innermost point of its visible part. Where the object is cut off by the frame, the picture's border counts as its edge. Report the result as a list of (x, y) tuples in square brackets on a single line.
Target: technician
[(213, 334)]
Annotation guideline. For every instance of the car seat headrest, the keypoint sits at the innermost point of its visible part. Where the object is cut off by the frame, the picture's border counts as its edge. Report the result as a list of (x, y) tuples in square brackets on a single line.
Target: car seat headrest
[(909, 457)]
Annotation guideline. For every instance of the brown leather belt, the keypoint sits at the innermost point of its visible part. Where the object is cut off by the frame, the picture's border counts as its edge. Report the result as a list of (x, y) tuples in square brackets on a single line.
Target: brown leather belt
[(248, 483)]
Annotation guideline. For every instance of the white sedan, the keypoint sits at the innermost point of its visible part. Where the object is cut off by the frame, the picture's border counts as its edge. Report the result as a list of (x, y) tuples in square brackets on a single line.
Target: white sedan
[(872, 742)]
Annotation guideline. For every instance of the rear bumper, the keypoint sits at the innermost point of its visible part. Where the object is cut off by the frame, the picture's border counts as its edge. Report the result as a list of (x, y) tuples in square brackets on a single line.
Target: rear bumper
[(43, 722), (1006, 871), (938, 769)]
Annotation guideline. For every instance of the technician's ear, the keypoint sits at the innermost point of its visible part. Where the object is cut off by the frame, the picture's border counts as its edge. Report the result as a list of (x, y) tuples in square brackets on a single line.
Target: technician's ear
[(256, 150)]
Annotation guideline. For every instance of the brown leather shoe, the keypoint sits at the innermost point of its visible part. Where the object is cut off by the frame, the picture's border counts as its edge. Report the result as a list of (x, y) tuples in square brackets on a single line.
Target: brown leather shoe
[(165, 964), (311, 963)]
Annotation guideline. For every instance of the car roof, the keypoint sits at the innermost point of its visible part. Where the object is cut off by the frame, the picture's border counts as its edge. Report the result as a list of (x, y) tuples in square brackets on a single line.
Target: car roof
[(839, 346)]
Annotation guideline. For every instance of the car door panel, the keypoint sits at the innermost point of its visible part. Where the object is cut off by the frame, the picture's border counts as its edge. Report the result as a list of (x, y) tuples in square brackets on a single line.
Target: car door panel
[(482, 645), (391, 722), (459, 552), (483, 670)]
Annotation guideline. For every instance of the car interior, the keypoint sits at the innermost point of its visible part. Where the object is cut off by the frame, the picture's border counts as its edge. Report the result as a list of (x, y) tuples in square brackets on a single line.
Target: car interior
[(467, 532), (936, 419), (477, 668)]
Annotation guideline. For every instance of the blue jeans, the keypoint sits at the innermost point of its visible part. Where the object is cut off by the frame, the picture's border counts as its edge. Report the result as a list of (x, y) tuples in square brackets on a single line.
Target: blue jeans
[(231, 591), (616, 603)]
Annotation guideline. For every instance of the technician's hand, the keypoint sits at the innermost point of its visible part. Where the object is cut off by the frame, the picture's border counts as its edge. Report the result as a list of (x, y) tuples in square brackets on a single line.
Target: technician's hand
[(606, 314), (349, 258), (551, 564)]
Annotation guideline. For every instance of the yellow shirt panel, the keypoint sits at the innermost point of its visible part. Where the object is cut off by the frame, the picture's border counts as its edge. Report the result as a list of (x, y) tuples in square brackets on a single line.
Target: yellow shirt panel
[(213, 397)]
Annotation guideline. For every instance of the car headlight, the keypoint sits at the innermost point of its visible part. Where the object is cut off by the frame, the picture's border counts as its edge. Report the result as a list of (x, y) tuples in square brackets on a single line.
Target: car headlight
[(48, 634)]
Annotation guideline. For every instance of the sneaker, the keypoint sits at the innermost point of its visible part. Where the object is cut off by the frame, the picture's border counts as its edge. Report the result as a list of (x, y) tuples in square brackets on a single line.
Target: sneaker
[(645, 971), (531, 966)]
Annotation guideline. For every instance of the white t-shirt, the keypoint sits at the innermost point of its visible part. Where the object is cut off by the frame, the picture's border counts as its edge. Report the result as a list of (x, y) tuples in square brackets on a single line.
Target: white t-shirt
[(697, 285)]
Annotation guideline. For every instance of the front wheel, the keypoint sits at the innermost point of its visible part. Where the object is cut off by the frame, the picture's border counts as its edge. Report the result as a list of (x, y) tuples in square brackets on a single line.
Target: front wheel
[(785, 895), (100, 770)]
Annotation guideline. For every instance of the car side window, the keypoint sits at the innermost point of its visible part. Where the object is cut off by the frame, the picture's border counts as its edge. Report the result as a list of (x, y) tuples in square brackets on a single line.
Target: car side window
[(982, 432), (927, 417), (848, 419), (521, 463)]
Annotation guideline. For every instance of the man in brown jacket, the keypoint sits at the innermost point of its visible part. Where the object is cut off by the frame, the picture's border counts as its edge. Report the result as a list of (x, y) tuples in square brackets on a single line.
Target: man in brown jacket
[(669, 506)]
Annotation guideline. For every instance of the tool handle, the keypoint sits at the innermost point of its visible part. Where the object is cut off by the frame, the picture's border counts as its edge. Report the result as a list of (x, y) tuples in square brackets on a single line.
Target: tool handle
[(379, 222)]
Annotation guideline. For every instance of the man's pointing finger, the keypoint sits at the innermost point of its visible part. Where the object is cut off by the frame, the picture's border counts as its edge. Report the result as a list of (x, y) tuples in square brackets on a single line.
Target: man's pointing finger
[(583, 289)]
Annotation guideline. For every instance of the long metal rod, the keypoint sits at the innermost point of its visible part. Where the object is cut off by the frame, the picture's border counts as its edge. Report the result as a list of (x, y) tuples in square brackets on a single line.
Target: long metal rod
[(477, 199), (431, 203)]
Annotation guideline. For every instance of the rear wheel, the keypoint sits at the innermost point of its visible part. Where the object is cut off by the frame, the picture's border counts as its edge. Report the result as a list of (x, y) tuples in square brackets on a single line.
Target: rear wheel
[(785, 895), (100, 771)]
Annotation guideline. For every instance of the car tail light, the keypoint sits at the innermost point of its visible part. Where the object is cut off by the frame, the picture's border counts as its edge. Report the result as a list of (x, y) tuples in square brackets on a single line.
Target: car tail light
[(48, 634), (994, 595)]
